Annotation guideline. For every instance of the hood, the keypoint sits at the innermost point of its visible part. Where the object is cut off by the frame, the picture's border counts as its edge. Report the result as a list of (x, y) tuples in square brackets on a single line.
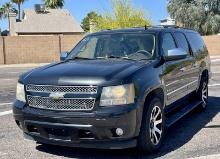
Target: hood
[(82, 72)]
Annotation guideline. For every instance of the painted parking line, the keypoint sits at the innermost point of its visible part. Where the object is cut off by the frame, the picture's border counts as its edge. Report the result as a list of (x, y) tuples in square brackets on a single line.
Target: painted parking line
[(6, 104), (215, 77), (213, 85), (5, 112), (8, 79), (215, 72), (215, 60), (2, 154), (11, 72)]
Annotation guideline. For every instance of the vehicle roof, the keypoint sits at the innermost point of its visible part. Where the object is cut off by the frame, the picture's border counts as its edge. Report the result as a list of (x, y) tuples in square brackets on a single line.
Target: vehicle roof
[(156, 29)]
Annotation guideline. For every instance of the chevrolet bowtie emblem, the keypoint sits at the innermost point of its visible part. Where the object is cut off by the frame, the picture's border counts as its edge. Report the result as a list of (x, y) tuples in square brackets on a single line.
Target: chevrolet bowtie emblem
[(57, 96)]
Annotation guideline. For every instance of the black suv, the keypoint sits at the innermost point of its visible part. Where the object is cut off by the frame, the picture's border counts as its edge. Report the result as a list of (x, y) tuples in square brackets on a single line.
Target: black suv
[(116, 89)]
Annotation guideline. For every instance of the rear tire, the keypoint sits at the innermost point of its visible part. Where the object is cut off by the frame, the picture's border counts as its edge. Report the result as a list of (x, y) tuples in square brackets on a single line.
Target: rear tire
[(153, 124), (202, 94)]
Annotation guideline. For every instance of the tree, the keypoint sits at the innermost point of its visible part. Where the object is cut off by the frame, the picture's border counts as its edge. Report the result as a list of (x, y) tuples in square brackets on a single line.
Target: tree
[(201, 15), (123, 15), (54, 4), (18, 2), (91, 17), (6, 9)]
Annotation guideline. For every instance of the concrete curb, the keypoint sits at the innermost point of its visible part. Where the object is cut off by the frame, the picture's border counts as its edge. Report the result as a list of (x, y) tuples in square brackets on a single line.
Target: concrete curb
[(23, 65), (213, 57)]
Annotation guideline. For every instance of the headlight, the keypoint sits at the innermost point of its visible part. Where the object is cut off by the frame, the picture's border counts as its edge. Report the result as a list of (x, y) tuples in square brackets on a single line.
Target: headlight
[(117, 95), (20, 94)]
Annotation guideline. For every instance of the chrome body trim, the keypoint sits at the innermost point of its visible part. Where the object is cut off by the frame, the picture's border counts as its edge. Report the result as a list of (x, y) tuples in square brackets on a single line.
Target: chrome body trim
[(46, 107), (64, 87), (174, 91)]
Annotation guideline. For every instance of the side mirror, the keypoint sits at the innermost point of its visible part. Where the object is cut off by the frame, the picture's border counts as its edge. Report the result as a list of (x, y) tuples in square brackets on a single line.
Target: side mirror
[(175, 54), (63, 55)]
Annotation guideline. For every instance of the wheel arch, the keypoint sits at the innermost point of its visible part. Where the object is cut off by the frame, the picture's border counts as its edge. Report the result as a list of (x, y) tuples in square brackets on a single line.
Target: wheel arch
[(205, 73), (158, 91)]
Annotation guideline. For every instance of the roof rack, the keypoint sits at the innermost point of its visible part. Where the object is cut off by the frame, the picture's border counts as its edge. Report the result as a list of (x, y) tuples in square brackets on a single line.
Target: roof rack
[(157, 26), (106, 29), (169, 26), (174, 26), (146, 26)]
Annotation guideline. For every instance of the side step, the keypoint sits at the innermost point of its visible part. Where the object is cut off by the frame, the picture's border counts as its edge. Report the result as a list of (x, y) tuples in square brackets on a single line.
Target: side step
[(181, 113)]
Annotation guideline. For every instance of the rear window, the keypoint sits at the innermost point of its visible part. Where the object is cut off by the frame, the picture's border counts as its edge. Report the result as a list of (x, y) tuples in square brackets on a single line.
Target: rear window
[(197, 44)]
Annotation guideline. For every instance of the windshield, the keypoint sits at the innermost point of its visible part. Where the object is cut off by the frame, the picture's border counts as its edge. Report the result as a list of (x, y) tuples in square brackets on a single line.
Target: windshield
[(121, 45)]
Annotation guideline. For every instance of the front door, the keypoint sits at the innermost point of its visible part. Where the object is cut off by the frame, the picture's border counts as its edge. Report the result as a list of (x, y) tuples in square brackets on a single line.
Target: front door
[(176, 73)]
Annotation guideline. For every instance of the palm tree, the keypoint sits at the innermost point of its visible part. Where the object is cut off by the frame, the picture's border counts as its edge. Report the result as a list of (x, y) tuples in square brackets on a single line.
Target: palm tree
[(18, 2), (1, 13), (53, 4), (5, 9)]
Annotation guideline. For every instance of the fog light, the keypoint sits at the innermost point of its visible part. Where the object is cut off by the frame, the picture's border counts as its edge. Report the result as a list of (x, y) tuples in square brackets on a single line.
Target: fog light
[(119, 131)]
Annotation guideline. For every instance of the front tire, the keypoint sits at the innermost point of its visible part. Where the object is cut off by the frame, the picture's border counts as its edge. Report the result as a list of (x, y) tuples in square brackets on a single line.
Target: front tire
[(153, 124)]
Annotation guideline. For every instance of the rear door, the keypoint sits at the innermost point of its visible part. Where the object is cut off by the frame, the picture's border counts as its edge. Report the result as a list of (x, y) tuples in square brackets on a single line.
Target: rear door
[(190, 68), (199, 52)]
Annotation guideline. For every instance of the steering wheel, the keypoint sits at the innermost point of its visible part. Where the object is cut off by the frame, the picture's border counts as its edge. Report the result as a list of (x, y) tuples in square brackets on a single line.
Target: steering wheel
[(144, 52), (141, 53)]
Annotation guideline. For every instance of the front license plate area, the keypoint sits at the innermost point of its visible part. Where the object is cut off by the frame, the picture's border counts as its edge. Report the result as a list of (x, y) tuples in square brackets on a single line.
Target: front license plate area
[(61, 134)]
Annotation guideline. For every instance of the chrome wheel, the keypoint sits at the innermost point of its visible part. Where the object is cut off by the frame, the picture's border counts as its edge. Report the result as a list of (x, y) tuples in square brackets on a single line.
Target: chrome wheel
[(204, 94), (156, 125)]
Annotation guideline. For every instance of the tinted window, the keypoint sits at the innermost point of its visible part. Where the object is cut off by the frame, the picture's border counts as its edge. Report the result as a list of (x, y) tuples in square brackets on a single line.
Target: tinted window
[(182, 42), (196, 43), (168, 43)]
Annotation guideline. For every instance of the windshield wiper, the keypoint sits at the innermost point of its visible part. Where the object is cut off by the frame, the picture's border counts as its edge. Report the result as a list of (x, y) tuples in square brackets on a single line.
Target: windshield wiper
[(101, 57), (112, 56), (106, 58), (83, 58), (127, 58), (116, 57)]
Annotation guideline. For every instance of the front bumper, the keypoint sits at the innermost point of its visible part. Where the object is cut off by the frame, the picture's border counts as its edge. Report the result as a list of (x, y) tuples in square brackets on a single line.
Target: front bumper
[(76, 129)]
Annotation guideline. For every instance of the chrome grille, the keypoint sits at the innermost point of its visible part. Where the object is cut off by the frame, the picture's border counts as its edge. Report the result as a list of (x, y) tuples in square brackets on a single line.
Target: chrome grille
[(65, 89), (73, 104)]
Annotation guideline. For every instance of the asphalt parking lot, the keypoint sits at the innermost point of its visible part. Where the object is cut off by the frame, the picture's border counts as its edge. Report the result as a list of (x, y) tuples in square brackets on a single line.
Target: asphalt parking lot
[(197, 134)]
